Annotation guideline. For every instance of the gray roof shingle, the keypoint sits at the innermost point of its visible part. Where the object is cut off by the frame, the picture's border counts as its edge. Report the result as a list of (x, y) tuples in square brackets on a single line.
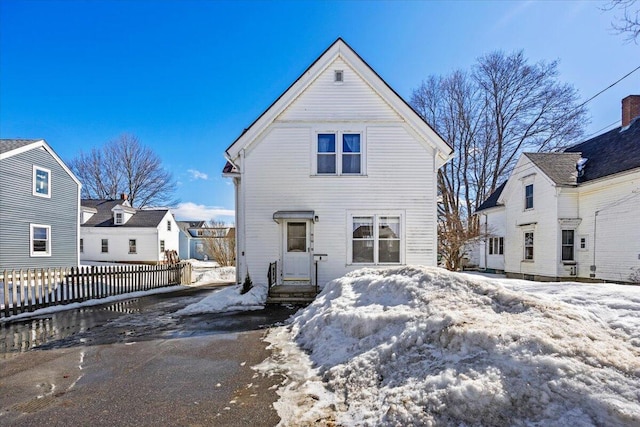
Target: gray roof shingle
[(560, 167), (7, 145), (104, 218), (611, 152)]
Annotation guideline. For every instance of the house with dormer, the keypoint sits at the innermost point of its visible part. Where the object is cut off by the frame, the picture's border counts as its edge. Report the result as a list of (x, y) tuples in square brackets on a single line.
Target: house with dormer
[(339, 173), (39, 207), (573, 214), (114, 231)]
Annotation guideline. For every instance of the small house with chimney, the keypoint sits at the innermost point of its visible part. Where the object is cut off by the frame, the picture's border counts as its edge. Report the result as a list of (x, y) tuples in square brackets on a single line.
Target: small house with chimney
[(39, 207), (572, 215), (114, 231)]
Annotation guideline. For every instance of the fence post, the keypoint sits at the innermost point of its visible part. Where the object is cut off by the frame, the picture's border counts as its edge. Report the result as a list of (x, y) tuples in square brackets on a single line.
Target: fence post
[(5, 284)]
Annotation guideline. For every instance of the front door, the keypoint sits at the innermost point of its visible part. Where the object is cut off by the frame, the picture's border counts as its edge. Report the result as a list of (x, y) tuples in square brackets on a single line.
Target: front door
[(296, 261)]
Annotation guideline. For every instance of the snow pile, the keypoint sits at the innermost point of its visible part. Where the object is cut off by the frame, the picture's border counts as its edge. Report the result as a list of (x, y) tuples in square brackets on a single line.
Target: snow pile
[(214, 275), (228, 299), (423, 346)]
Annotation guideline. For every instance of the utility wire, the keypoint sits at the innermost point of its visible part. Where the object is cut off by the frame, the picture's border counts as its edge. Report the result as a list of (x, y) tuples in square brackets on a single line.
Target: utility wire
[(610, 86)]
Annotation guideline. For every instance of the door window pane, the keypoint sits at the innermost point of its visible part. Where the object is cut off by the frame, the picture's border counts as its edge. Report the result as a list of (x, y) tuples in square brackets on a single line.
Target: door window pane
[(296, 237)]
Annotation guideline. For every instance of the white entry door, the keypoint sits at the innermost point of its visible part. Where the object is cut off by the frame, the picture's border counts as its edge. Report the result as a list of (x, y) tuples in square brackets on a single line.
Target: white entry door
[(296, 261)]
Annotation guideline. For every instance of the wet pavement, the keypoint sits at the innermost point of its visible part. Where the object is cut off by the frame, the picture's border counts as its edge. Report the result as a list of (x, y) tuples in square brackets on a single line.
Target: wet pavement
[(136, 363)]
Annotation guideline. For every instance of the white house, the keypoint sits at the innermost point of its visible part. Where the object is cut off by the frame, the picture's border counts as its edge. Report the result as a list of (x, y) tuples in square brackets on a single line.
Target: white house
[(337, 174), (112, 230), (574, 214)]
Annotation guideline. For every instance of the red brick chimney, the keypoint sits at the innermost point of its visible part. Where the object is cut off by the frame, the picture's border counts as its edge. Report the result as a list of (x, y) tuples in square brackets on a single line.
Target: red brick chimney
[(125, 196), (630, 109)]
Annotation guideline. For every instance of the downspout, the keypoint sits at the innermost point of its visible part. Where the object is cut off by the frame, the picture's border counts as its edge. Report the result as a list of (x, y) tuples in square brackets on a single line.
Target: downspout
[(486, 233), (595, 224)]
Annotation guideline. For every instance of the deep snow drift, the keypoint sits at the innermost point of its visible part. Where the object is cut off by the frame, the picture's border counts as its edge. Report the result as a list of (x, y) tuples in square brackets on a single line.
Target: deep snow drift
[(423, 346)]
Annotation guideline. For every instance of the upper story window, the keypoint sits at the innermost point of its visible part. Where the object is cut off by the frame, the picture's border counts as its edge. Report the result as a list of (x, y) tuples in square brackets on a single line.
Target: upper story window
[(105, 246), (132, 246), (339, 153), (40, 240), (118, 218), (161, 245), (169, 225), (338, 76), (81, 245), (41, 182), (528, 196)]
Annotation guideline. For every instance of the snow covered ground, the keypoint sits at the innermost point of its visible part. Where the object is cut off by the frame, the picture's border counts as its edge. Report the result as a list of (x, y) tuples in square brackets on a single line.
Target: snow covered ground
[(423, 346)]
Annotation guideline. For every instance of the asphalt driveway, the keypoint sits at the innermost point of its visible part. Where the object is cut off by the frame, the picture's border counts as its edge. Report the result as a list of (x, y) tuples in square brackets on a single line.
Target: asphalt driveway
[(134, 363)]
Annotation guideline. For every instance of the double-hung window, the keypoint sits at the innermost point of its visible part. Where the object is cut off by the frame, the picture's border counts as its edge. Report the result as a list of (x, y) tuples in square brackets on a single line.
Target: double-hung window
[(162, 245), (528, 245), (40, 240), (339, 153), (375, 239), (105, 246), (169, 225), (118, 217), (528, 196), (567, 245), (496, 246), (132, 246), (41, 182)]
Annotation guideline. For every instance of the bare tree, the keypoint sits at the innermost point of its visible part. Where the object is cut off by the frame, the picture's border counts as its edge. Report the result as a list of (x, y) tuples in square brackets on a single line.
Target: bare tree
[(490, 116), (629, 22), (220, 243), (124, 166)]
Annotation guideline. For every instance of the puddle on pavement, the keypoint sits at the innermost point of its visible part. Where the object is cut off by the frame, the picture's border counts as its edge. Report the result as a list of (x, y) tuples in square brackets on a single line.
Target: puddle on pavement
[(129, 321)]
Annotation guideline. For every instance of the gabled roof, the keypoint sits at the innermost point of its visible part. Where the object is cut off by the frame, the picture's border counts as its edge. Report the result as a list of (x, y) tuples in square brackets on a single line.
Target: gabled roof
[(611, 152), (341, 49), (559, 167), (492, 200), (143, 218), (12, 147)]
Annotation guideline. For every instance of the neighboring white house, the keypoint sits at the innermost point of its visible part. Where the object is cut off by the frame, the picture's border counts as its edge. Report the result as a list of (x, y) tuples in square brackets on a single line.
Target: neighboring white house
[(574, 214), (111, 230), (338, 173)]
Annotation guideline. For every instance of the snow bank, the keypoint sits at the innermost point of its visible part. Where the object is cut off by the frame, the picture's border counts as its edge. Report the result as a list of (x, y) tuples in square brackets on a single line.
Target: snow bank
[(423, 346), (228, 299)]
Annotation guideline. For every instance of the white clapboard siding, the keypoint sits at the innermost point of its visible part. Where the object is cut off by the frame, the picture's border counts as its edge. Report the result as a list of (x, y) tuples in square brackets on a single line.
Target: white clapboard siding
[(326, 100), (617, 239), (278, 176)]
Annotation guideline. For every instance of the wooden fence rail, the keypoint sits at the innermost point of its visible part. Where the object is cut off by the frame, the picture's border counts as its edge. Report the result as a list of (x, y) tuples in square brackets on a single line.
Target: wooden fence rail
[(27, 290)]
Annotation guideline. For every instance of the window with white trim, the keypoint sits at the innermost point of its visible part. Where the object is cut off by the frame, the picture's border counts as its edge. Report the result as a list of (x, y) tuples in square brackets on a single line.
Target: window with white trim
[(528, 245), (41, 182), (583, 243), (105, 246), (496, 246), (169, 225), (339, 153), (118, 218), (40, 240), (132, 246), (81, 245), (375, 239), (161, 245), (528, 196), (568, 245)]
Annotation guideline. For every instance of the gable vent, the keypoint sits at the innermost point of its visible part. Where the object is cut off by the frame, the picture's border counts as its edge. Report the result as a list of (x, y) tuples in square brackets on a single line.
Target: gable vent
[(338, 76)]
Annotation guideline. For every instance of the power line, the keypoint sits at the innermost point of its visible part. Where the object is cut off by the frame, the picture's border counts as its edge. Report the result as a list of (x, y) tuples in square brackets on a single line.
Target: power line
[(609, 87)]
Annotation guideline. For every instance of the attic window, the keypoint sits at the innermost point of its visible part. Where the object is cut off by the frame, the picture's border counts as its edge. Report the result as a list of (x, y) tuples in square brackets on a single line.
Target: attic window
[(338, 76)]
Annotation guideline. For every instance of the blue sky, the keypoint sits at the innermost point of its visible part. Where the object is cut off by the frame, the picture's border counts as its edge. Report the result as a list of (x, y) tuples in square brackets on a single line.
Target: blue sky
[(187, 77)]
